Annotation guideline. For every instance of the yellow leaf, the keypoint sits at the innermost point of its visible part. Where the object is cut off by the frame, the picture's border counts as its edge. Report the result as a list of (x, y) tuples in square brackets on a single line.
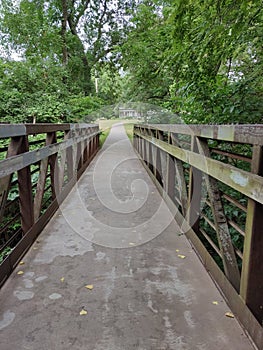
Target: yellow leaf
[(215, 302), (177, 250), (181, 256), (131, 243), (35, 248), (21, 263), (62, 279), (89, 286), (83, 312), (20, 273), (229, 314)]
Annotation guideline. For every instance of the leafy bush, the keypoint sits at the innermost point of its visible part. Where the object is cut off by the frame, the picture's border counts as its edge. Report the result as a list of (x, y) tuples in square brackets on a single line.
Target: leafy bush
[(82, 107)]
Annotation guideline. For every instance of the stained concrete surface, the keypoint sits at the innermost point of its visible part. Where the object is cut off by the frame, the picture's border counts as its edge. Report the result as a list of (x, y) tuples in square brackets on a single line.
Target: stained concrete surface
[(114, 232)]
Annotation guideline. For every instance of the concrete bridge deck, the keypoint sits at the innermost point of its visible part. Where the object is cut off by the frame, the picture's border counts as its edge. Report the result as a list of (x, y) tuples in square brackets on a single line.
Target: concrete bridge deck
[(111, 272)]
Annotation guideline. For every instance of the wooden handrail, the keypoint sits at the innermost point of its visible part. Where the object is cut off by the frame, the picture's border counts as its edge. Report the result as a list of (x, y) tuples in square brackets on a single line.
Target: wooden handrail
[(55, 167), (242, 285)]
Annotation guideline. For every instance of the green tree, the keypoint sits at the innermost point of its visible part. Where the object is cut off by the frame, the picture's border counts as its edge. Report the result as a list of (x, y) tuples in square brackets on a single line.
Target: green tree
[(200, 59)]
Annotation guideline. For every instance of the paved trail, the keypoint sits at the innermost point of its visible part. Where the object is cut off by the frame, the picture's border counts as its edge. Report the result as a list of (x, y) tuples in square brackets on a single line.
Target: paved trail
[(114, 232)]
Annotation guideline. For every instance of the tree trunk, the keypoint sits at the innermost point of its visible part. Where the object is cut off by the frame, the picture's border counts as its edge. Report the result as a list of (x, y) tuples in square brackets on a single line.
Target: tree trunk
[(64, 31), (86, 67)]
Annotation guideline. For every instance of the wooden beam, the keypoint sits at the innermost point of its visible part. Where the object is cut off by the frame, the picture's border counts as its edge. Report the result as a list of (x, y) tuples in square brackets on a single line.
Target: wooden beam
[(40, 190), (221, 225), (5, 182), (239, 308), (180, 179), (194, 193), (25, 191), (234, 133), (249, 184), (12, 164), (12, 130), (158, 163), (251, 289), (53, 164), (170, 173)]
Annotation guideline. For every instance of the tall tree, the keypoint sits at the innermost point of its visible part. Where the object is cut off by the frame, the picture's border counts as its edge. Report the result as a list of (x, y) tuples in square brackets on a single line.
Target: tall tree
[(78, 34), (208, 55)]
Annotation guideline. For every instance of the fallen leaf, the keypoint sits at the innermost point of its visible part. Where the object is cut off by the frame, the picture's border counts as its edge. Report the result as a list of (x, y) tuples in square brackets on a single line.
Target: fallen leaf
[(89, 286), (35, 248), (62, 279), (20, 272), (131, 243), (215, 302), (181, 256), (229, 314), (177, 250), (21, 263), (83, 312)]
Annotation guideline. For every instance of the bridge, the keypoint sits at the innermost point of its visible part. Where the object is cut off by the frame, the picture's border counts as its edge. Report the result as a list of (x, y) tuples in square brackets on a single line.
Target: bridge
[(156, 245)]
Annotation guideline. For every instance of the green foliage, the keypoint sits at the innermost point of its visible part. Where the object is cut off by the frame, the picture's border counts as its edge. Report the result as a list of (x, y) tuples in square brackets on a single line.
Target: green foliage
[(5, 253), (56, 62), (202, 60), (81, 108)]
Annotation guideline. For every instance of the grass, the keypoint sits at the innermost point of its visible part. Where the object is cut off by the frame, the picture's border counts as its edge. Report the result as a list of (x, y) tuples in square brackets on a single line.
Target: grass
[(129, 130), (106, 124)]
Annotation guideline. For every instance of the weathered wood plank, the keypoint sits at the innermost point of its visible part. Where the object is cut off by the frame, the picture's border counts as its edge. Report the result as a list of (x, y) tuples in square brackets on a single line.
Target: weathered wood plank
[(158, 164), (244, 314), (54, 168), (8, 166), (249, 184), (234, 133), (41, 181), (170, 173), (5, 182), (40, 128), (12, 130), (194, 193), (180, 179), (252, 270), (25, 191), (220, 221)]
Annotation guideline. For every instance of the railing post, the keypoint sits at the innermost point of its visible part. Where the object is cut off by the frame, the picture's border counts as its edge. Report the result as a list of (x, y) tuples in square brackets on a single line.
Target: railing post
[(251, 289), (170, 173), (85, 152), (42, 180), (5, 182), (53, 160), (140, 143), (180, 179), (145, 156), (150, 152), (78, 155), (70, 159), (25, 191), (158, 163), (194, 193), (223, 235)]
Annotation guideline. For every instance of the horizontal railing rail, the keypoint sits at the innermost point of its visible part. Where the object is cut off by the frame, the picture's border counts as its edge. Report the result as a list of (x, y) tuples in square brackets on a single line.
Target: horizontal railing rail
[(212, 179), (39, 165)]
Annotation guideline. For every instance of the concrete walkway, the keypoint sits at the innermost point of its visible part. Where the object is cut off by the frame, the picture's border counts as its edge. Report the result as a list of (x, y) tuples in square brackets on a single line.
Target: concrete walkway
[(147, 289)]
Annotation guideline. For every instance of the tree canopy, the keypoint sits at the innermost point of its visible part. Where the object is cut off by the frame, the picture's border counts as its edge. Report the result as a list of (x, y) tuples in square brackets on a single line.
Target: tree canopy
[(61, 59), (202, 59)]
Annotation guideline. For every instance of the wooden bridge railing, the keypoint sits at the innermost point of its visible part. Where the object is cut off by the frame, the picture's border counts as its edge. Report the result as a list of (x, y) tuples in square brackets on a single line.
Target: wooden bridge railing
[(211, 177), (39, 165)]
